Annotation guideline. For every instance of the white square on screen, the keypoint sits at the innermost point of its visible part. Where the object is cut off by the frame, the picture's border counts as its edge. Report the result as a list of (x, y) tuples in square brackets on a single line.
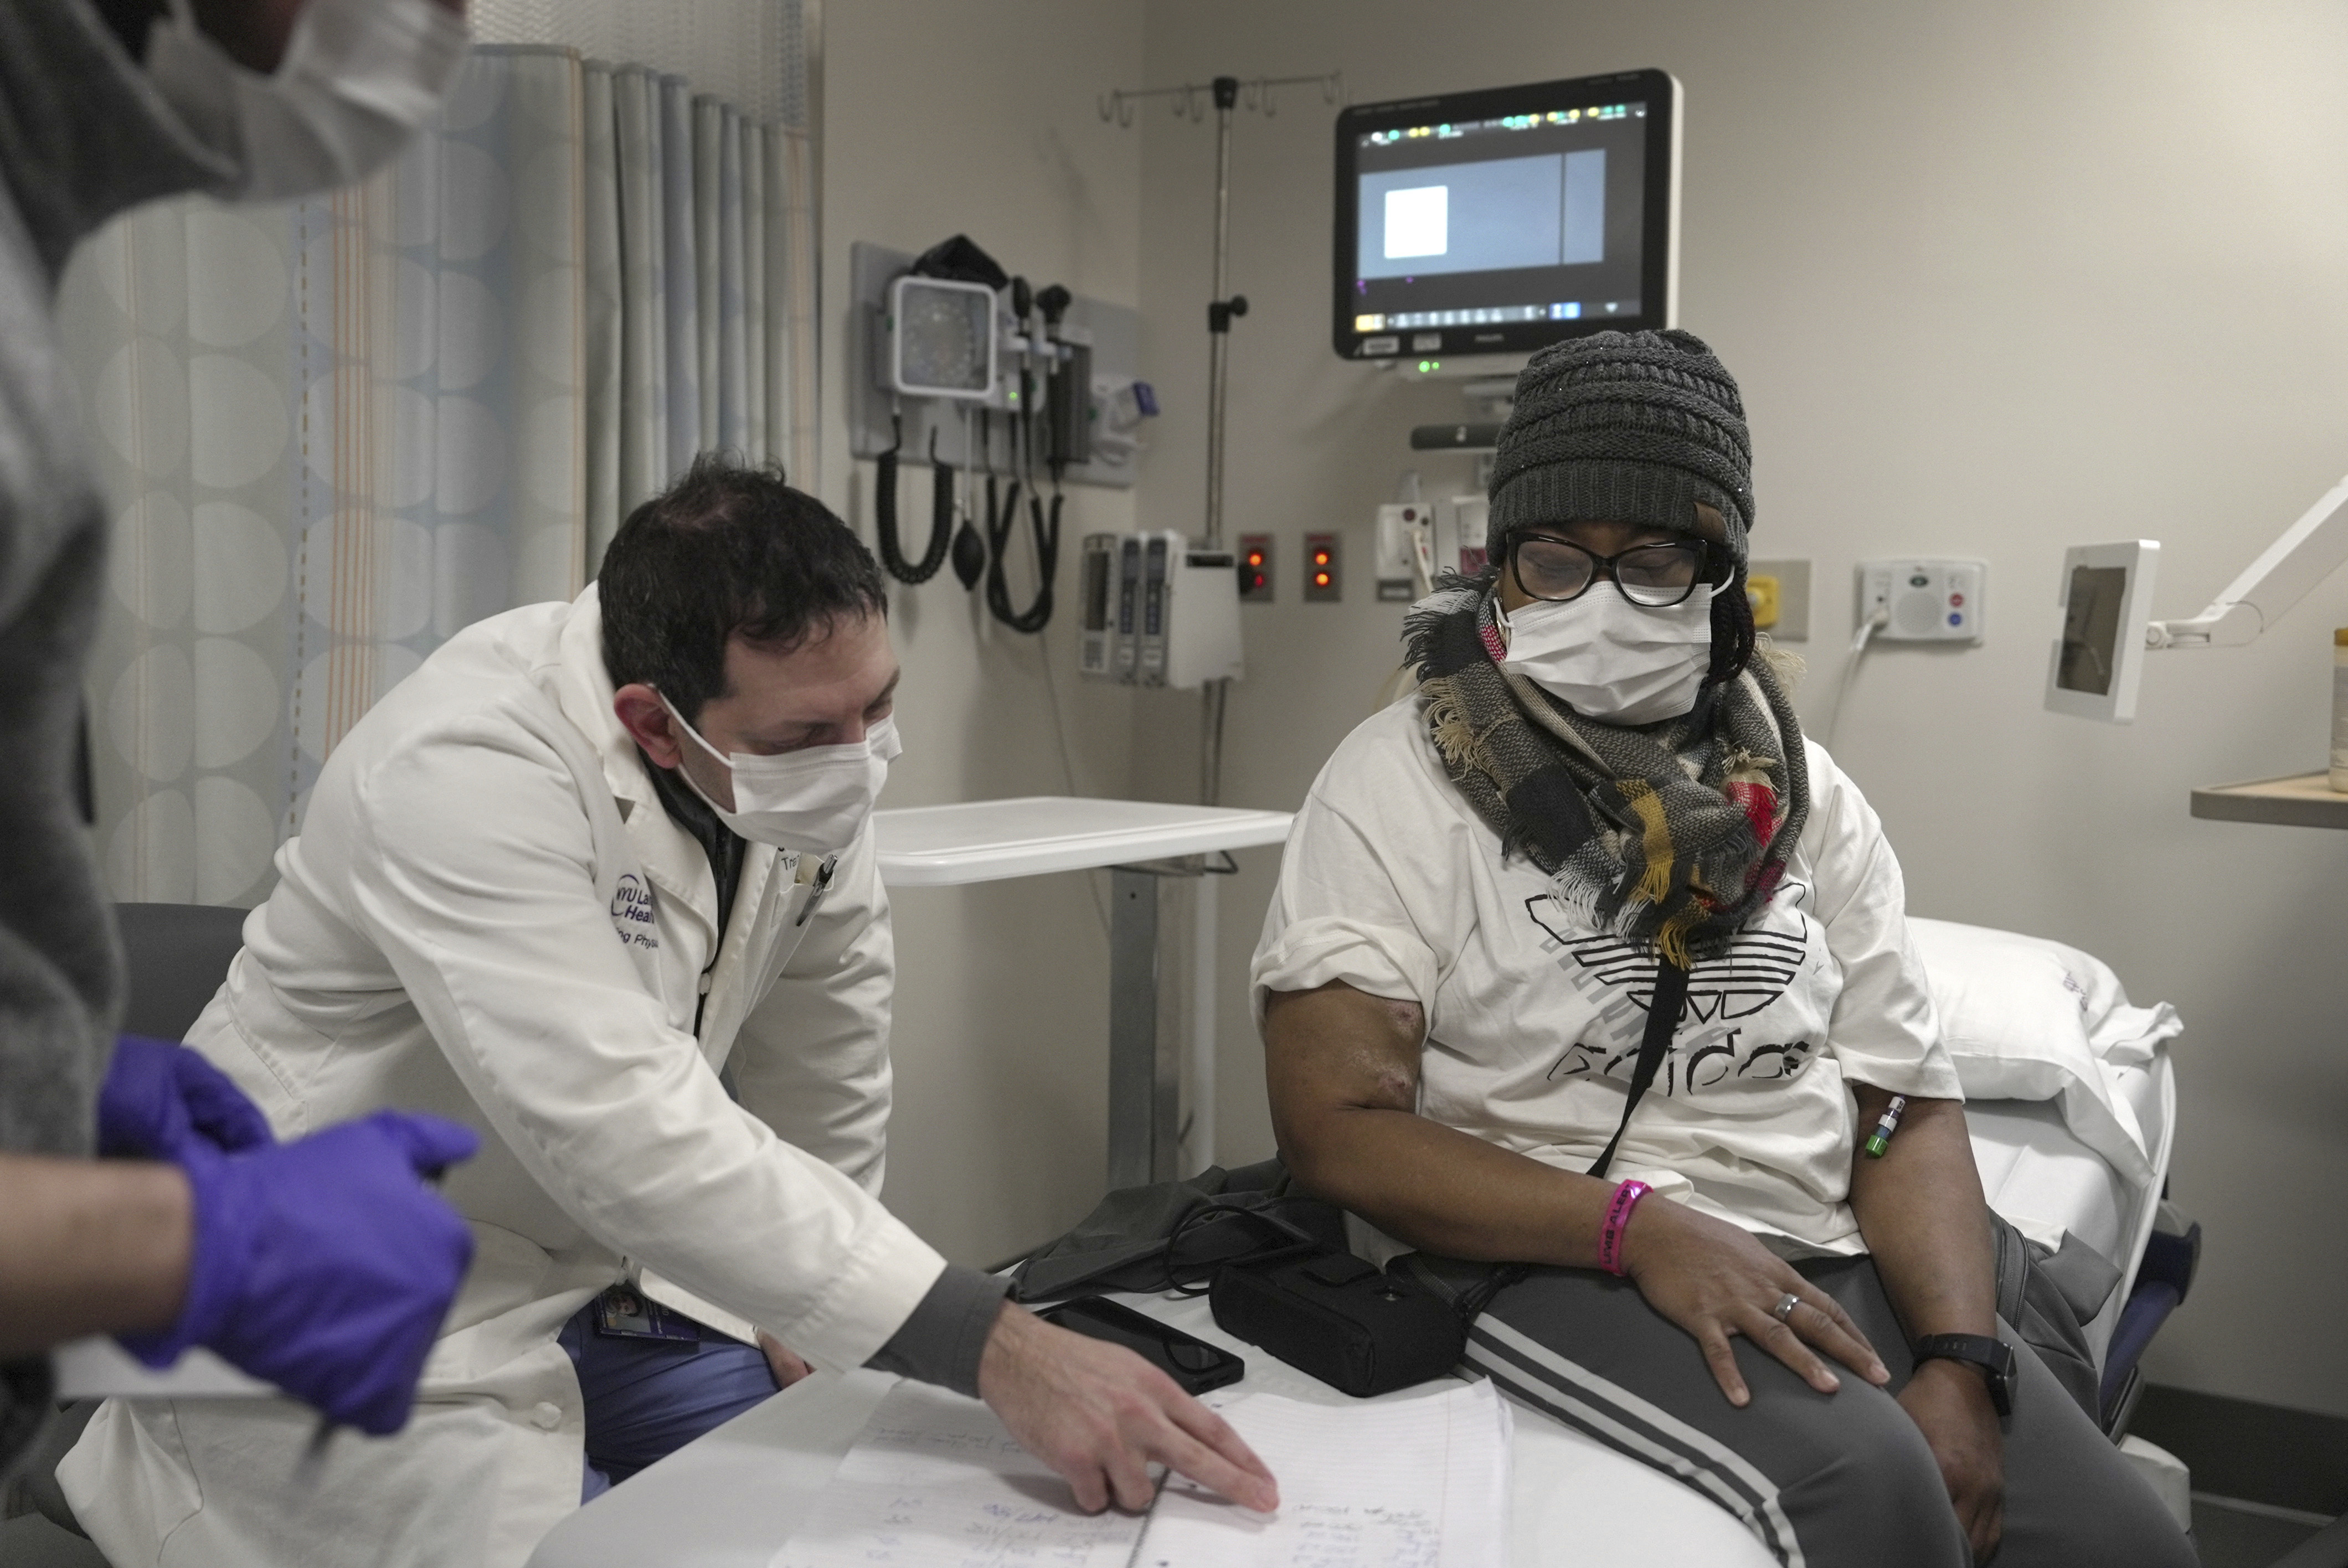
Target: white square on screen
[(1418, 221)]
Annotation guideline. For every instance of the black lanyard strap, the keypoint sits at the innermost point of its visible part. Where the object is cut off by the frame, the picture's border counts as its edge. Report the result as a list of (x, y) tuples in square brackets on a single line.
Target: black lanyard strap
[(1662, 1020)]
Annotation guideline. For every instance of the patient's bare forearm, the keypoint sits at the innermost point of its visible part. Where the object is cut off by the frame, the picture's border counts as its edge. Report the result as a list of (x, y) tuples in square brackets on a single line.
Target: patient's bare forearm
[(1342, 1071), (1921, 1210), (88, 1246)]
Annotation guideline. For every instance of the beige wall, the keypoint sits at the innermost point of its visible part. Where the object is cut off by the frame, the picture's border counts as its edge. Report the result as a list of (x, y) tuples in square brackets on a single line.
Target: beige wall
[(1997, 277), (942, 117)]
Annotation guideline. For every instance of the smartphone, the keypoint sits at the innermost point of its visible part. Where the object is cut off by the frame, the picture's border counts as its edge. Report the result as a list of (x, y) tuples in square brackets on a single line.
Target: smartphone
[(1193, 1364)]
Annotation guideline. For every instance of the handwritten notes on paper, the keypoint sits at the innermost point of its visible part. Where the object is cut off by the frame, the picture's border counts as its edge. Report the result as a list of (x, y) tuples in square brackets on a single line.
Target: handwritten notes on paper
[(1418, 1483), (935, 1481)]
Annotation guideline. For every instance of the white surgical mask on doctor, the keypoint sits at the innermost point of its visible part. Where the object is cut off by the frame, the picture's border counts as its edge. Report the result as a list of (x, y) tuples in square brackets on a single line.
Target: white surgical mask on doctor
[(358, 78), (1610, 660), (815, 800)]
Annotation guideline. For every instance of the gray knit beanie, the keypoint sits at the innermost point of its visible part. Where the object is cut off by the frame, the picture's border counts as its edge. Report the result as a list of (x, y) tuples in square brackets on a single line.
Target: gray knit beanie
[(1631, 428)]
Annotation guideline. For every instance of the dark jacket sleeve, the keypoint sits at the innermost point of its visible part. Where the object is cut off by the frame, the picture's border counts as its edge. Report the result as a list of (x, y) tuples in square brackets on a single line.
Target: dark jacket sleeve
[(27, 1398), (83, 134)]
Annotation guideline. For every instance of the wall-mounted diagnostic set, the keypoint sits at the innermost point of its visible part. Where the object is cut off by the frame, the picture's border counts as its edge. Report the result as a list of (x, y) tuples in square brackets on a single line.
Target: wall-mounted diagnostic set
[(1000, 388)]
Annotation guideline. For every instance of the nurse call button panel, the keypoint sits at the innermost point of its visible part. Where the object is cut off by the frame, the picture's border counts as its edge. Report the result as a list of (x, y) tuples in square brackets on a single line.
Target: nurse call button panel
[(1923, 601)]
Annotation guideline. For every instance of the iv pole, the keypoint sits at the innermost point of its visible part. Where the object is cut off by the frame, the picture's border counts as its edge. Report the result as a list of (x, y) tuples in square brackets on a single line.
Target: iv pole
[(1148, 1134), (1225, 93)]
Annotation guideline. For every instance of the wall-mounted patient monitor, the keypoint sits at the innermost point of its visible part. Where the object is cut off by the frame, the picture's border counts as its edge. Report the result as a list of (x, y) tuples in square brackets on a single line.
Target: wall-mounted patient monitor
[(1502, 220), (2098, 660), (2107, 605)]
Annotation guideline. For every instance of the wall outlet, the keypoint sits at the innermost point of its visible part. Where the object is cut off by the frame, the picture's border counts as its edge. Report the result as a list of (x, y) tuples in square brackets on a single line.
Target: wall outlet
[(1256, 568), (1924, 600), (1400, 524), (1784, 585), (1324, 578)]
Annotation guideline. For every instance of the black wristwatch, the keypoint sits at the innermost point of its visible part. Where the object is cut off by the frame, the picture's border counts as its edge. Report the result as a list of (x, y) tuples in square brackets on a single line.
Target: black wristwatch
[(1993, 1357)]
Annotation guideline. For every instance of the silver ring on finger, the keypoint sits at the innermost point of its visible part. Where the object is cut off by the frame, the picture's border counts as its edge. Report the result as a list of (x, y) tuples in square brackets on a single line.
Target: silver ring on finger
[(1784, 1307)]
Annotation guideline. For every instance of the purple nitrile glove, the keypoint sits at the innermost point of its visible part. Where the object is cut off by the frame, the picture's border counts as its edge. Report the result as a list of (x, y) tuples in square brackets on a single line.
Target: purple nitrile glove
[(157, 1097), (324, 1266)]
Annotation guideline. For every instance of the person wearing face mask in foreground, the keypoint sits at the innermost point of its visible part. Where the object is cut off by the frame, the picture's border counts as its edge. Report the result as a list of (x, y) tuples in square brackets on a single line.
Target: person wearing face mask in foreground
[(323, 1264), (586, 859), (1583, 978)]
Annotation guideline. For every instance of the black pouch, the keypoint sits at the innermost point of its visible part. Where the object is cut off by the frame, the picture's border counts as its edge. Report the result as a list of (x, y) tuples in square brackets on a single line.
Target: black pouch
[(1334, 1316)]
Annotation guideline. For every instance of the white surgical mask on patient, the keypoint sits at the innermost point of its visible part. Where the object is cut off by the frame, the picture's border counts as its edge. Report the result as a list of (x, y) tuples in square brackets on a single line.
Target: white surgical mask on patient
[(359, 76), (815, 800), (1613, 660)]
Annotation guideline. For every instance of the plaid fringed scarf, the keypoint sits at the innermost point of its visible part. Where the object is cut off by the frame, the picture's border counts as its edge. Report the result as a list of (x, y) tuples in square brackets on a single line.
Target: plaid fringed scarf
[(1670, 836)]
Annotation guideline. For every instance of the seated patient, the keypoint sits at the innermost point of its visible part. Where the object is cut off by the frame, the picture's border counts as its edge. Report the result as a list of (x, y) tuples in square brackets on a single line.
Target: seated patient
[(1598, 802)]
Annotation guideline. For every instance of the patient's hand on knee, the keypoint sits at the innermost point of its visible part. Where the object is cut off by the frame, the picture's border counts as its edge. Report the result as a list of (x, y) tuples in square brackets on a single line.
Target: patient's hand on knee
[(1714, 1280)]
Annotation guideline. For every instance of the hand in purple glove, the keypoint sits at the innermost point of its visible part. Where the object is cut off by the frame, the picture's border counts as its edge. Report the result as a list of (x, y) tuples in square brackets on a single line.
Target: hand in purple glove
[(324, 1266), (158, 1098)]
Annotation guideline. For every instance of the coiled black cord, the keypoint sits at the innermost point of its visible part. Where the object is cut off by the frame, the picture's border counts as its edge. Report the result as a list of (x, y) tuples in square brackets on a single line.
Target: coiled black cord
[(1038, 613), (884, 512)]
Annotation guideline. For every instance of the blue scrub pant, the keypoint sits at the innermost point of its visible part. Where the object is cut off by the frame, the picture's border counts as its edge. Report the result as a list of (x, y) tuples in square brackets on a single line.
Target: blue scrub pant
[(646, 1398)]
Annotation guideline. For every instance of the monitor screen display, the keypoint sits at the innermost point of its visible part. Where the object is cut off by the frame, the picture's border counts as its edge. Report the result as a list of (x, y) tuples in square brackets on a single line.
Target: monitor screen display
[(2091, 629), (1502, 221)]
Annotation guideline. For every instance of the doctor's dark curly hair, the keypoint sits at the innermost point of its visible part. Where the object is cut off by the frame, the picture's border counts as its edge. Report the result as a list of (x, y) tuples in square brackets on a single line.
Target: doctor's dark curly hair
[(727, 550)]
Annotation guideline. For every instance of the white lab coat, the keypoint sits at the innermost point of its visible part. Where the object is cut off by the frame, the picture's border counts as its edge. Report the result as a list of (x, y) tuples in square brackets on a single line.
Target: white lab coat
[(487, 914)]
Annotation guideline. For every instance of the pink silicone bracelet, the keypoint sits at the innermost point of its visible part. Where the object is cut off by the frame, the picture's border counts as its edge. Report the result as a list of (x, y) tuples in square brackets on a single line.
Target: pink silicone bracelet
[(1618, 1220)]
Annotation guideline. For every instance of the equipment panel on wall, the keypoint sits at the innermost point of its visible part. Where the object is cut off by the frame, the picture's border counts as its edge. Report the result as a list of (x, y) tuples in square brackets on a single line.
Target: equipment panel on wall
[(1256, 568), (1923, 601), (1157, 610), (1324, 573)]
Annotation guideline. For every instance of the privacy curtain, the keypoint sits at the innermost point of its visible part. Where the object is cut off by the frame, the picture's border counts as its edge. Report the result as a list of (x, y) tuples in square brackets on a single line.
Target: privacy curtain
[(334, 434)]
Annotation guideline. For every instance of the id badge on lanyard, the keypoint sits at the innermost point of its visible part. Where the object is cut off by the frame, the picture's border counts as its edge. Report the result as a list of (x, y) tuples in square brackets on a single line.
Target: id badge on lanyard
[(623, 1312)]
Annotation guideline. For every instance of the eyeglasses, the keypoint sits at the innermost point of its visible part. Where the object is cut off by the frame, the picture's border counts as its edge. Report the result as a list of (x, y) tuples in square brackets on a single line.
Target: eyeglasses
[(1655, 576)]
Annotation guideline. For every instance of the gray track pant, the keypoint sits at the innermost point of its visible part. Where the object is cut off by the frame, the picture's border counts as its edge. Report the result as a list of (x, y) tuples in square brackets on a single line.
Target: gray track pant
[(1840, 1480)]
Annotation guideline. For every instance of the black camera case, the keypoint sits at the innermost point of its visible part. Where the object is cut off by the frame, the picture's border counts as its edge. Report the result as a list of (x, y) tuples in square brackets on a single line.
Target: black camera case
[(1338, 1318)]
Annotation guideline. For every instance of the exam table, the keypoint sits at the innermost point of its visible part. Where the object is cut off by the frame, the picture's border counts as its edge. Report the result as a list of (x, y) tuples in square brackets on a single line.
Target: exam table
[(2072, 1104), (730, 1499)]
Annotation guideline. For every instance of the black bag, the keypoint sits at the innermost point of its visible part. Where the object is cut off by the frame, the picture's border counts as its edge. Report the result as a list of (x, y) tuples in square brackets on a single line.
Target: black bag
[(960, 259), (2048, 1298), (1172, 1235), (1337, 1317)]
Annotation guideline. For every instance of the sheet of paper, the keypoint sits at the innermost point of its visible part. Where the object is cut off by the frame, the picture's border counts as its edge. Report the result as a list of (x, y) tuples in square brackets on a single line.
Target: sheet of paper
[(1419, 1483), (935, 1481)]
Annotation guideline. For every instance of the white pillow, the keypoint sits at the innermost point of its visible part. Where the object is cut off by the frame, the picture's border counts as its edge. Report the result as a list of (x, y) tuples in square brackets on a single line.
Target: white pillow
[(2027, 1018)]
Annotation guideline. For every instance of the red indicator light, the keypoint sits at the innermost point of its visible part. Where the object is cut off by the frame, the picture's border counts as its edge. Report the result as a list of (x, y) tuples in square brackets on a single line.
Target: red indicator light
[(1320, 579)]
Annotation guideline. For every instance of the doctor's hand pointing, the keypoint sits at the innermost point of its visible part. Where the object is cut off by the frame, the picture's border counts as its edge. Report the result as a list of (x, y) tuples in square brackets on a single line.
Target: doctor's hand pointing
[(1101, 1416)]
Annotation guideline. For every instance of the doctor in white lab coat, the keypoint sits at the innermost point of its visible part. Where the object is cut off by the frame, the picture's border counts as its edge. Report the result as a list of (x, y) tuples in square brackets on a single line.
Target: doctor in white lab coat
[(496, 911)]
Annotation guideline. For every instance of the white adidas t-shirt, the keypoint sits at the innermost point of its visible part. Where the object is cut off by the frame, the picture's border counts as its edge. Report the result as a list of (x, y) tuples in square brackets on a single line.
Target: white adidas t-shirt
[(1391, 884)]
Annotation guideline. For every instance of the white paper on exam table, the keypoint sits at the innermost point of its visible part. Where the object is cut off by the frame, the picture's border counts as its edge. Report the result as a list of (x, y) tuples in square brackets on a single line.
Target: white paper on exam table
[(1418, 1483), (934, 1482)]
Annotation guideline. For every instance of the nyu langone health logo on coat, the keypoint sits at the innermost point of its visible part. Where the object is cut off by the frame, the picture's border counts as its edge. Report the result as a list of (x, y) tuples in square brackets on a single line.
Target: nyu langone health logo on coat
[(632, 912)]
